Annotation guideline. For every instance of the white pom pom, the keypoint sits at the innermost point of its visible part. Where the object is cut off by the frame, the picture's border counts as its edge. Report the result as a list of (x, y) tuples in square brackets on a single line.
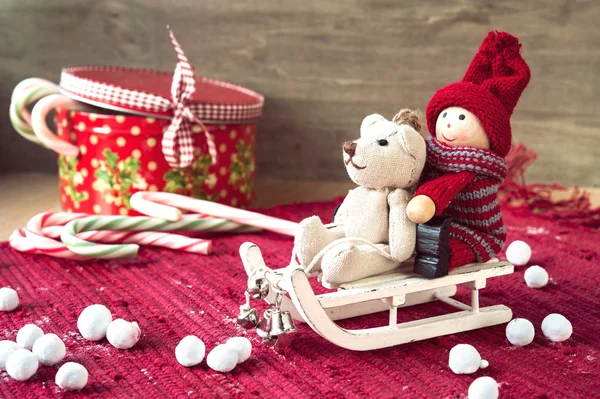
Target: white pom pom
[(190, 351), (9, 299), (518, 253), (28, 334), (242, 346), (222, 359), (484, 388), (520, 332), (49, 349), (484, 364), (93, 322), (122, 334), (464, 359), (6, 349), (556, 327), (536, 277), (71, 376), (22, 365)]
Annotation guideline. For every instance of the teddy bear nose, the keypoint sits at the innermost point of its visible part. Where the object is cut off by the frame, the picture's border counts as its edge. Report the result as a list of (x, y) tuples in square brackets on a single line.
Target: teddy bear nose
[(448, 125), (350, 148)]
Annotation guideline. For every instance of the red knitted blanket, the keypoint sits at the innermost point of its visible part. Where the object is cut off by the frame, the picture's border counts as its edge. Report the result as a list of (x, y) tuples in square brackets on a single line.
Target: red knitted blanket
[(172, 295)]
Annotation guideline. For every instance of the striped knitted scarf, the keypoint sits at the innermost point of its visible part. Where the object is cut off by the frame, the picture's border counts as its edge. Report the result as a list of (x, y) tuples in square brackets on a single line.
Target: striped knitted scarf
[(475, 210), (448, 159)]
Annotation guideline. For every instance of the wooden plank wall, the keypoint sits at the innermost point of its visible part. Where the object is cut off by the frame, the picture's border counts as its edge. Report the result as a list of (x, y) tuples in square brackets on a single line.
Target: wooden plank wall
[(324, 65)]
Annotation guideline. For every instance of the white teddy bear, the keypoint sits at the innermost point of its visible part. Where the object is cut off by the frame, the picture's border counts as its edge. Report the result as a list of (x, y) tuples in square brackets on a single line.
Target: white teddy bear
[(386, 163)]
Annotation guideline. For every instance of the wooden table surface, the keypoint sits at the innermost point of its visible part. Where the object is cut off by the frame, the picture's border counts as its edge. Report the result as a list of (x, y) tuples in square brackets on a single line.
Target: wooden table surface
[(26, 194)]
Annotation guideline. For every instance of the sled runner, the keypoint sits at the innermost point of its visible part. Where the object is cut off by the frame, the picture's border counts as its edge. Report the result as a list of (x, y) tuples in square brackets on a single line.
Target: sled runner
[(387, 292)]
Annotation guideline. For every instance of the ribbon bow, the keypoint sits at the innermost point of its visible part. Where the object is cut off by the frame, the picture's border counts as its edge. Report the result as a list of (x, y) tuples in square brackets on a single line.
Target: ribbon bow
[(177, 143)]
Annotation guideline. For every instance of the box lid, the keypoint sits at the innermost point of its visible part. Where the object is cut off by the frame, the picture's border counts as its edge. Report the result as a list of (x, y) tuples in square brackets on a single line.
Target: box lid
[(148, 92)]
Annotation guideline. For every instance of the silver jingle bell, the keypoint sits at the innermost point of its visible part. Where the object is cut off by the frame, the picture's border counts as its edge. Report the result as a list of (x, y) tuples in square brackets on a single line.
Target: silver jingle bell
[(258, 288), (281, 323), (264, 325), (248, 317)]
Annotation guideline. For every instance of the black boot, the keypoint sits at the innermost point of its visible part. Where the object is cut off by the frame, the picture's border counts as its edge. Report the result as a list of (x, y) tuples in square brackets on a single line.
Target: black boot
[(433, 249)]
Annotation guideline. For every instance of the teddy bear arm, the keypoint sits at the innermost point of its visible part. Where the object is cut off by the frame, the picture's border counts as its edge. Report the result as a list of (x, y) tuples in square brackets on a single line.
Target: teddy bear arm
[(403, 232), (341, 214)]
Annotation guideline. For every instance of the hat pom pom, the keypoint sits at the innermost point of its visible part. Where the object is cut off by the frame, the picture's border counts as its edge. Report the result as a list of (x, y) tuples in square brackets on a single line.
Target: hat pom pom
[(497, 43)]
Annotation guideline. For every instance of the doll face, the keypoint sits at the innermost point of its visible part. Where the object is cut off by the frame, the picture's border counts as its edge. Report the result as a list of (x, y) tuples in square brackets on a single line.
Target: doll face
[(460, 128)]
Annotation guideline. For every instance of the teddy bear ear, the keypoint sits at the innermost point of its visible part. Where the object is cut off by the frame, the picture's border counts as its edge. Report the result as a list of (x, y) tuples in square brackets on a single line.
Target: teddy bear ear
[(370, 120), (412, 118)]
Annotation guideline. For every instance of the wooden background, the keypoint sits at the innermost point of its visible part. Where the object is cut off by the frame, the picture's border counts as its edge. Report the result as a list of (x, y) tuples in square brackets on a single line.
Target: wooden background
[(323, 66)]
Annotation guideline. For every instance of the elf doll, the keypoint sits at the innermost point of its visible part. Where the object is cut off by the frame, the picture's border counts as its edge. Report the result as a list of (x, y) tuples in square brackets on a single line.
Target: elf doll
[(469, 122)]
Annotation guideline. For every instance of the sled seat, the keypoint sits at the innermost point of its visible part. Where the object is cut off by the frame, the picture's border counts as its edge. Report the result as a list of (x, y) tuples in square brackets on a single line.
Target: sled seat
[(391, 292), (403, 282)]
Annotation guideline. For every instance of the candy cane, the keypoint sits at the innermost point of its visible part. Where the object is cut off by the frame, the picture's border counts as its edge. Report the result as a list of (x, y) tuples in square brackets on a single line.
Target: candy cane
[(86, 248), (42, 228), (24, 94), (20, 241), (41, 130), (168, 206)]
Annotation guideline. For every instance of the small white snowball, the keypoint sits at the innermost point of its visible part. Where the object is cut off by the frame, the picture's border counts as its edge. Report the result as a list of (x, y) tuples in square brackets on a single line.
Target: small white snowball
[(242, 346), (190, 351), (49, 349), (556, 327), (484, 364), (536, 277), (518, 253), (6, 349), (71, 376), (520, 332), (484, 388), (28, 334), (464, 359), (22, 365), (222, 359), (93, 322), (9, 299), (122, 334)]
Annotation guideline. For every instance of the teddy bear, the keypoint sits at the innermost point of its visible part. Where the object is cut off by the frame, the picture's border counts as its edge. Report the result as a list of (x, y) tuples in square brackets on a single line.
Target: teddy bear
[(371, 233), (470, 130)]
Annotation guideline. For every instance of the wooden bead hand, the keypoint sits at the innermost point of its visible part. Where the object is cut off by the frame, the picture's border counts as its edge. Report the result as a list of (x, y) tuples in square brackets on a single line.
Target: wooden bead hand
[(420, 209)]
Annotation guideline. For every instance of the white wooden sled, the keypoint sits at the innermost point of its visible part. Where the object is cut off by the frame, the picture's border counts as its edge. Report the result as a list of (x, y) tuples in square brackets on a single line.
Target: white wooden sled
[(380, 293)]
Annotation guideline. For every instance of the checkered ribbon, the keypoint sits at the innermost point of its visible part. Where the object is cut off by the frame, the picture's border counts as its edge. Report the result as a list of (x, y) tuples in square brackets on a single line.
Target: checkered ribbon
[(177, 142)]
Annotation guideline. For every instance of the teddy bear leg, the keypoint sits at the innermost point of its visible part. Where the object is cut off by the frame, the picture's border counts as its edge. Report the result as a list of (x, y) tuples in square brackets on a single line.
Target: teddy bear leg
[(348, 262), (311, 238)]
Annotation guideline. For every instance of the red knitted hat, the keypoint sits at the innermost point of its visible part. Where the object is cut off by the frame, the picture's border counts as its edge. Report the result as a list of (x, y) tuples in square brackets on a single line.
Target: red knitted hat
[(490, 89)]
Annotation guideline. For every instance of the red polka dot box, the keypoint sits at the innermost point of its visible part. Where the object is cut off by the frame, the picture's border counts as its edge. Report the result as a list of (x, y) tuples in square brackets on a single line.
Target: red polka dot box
[(121, 130)]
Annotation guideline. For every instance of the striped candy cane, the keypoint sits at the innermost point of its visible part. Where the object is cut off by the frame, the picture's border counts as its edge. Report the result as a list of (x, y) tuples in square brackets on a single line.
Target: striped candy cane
[(40, 235), (25, 94), (169, 207), (81, 246)]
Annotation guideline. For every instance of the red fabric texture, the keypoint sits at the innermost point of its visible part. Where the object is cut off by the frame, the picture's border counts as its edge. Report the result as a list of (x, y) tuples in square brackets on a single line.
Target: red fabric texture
[(490, 89), (460, 254), (463, 183), (172, 295)]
